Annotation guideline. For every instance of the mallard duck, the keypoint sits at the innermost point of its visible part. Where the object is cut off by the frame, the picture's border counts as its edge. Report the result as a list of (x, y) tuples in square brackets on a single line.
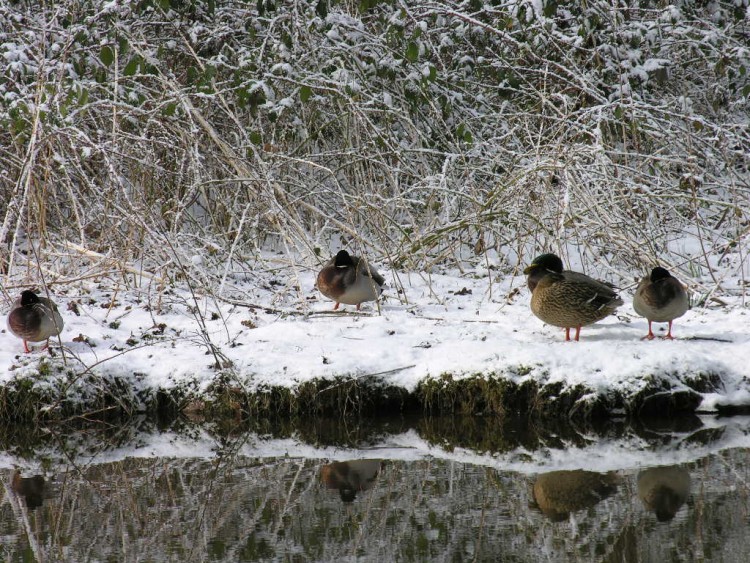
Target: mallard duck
[(567, 299), (559, 493), (351, 477), (661, 298), (34, 319), (663, 490), (350, 280), (30, 488)]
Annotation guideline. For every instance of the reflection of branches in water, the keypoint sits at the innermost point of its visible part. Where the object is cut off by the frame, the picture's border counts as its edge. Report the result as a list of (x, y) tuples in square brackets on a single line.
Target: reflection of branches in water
[(25, 494), (504, 434), (234, 508), (76, 438), (231, 507)]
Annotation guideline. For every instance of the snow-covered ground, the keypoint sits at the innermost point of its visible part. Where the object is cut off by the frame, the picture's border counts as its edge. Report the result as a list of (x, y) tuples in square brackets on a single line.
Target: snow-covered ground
[(276, 329)]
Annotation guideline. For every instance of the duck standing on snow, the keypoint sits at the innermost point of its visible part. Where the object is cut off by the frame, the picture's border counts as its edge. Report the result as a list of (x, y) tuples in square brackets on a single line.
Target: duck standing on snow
[(350, 280), (34, 319), (661, 298), (567, 299)]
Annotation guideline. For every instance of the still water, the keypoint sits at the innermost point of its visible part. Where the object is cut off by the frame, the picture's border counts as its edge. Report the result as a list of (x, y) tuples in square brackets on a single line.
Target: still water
[(421, 490)]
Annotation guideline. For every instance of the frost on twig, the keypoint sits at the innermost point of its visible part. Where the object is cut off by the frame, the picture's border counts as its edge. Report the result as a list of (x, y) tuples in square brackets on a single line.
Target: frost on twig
[(164, 134)]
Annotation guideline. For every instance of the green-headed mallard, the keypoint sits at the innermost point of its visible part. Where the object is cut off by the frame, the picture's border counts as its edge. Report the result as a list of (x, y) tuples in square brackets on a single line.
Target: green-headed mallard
[(567, 299), (661, 298), (34, 319), (350, 280)]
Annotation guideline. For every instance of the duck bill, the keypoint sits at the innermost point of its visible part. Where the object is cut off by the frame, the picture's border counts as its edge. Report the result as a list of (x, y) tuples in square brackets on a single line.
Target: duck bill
[(530, 268)]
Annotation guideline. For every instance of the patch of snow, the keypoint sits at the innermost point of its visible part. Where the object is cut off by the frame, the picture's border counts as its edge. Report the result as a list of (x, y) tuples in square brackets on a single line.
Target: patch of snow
[(277, 329)]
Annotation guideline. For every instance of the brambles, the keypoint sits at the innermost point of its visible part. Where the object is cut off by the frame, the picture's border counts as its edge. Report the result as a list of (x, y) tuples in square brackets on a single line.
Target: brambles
[(409, 131)]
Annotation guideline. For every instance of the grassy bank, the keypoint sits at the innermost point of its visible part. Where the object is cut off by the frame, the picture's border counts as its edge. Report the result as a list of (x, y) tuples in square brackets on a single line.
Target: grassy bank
[(55, 394)]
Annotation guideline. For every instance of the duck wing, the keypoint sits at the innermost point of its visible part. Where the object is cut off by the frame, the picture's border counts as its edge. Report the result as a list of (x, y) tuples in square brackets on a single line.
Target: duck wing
[(366, 269), (597, 294)]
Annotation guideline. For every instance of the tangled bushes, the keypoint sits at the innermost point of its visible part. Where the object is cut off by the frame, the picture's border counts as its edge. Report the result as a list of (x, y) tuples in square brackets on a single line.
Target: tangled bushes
[(153, 132)]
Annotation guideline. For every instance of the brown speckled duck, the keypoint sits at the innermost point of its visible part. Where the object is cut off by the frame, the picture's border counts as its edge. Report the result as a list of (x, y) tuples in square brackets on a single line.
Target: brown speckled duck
[(34, 319), (567, 299), (559, 493), (661, 298), (348, 279)]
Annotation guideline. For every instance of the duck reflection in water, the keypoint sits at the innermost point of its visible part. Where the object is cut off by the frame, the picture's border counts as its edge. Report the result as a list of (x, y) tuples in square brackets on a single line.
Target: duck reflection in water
[(30, 488), (351, 477), (558, 493), (664, 490)]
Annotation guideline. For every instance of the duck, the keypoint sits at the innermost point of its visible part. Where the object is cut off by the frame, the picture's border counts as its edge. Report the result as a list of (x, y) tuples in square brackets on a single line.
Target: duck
[(350, 280), (30, 488), (34, 319), (663, 490), (557, 494), (661, 298), (568, 299), (351, 477)]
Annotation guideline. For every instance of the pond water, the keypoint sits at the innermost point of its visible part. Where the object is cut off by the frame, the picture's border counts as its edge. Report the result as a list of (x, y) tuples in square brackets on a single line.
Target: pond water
[(421, 490)]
